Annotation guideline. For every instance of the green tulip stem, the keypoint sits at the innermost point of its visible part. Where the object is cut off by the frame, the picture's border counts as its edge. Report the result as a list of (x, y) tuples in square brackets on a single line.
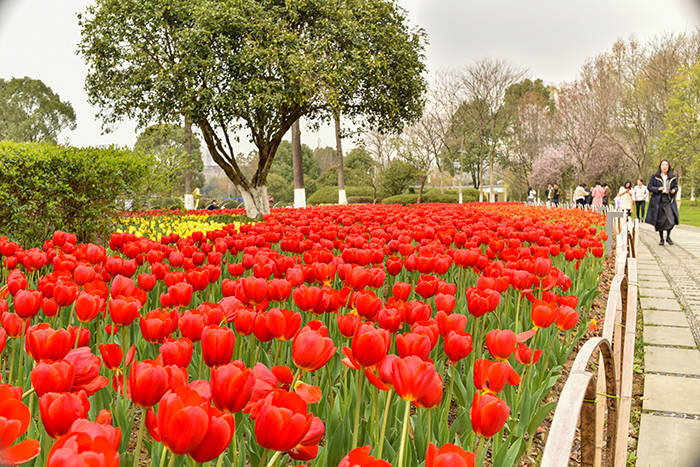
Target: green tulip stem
[(448, 400), (478, 452), (404, 433), (358, 404), (139, 438), (172, 460), (385, 418), (274, 458)]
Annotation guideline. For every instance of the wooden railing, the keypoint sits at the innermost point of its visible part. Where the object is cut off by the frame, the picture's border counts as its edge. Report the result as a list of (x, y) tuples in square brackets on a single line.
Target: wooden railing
[(597, 395)]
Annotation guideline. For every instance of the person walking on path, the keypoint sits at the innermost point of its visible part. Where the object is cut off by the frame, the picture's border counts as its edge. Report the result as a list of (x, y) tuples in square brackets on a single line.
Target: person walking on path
[(555, 195), (607, 194), (531, 195), (598, 192), (663, 211), (580, 195), (640, 193), (625, 195), (548, 194)]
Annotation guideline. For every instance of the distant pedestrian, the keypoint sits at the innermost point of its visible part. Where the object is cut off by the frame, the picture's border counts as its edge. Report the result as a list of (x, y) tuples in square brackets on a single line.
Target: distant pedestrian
[(640, 193), (589, 196), (597, 193), (555, 195), (625, 195), (663, 211), (548, 194), (580, 195), (607, 194), (531, 194)]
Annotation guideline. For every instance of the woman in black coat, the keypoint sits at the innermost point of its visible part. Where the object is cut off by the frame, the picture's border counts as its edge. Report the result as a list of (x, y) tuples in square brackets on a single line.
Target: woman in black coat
[(663, 212)]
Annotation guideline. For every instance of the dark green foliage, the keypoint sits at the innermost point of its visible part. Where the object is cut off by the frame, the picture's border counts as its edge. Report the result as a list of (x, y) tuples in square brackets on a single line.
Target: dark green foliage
[(396, 178), (329, 195), (45, 187), (434, 196), (31, 111)]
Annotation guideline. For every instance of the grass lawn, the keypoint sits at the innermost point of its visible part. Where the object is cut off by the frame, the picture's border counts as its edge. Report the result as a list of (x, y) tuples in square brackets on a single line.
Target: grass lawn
[(690, 215)]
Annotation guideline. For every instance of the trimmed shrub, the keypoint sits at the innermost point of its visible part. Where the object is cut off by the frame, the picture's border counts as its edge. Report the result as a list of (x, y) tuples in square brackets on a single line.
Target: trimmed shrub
[(46, 187), (433, 195), (329, 194)]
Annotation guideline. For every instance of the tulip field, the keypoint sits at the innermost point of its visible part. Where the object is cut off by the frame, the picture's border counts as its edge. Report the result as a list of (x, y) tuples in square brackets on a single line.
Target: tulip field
[(364, 335)]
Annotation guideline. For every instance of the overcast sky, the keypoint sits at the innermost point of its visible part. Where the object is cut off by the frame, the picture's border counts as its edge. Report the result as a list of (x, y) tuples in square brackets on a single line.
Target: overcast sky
[(550, 38)]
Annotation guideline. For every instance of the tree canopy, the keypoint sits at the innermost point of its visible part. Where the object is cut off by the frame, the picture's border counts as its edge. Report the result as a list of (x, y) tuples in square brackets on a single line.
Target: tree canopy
[(253, 65), (30, 111), (166, 142)]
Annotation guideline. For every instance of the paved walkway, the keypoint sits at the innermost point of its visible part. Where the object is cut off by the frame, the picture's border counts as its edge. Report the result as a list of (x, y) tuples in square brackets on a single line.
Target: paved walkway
[(669, 291)]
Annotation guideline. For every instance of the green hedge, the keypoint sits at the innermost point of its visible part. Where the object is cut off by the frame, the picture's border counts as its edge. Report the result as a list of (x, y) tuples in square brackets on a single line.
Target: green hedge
[(46, 187), (329, 195), (433, 195)]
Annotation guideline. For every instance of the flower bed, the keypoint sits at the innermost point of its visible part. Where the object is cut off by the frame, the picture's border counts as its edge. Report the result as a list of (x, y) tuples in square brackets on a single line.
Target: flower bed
[(331, 335)]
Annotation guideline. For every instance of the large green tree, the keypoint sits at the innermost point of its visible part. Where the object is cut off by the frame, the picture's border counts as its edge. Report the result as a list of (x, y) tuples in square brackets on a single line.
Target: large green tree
[(30, 111), (166, 142), (680, 140), (253, 65)]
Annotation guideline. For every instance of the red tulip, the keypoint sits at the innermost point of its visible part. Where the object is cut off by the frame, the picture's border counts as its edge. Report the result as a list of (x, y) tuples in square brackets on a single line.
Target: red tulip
[(445, 302), (542, 267), (567, 318), (192, 324), (3, 339), (12, 324), (449, 455), (86, 443), (359, 457), (450, 322), (501, 343), (158, 324), (87, 370), (389, 319), (88, 306), (480, 302), (14, 421), (312, 348), (426, 286), (124, 310), (348, 324), (146, 281), (488, 414), (413, 379), (524, 355), (180, 294), (60, 410), (231, 386), (52, 377), (543, 314), (27, 303), (413, 344), (177, 352), (79, 336), (65, 294), (458, 344), (49, 307), (44, 343), (357, 278), (492, 376), (148, 381), (217, 437), (367, 304), (276, 323), (111, 356), (183, 407), (401, 290), (282, 422), (369, 345), (217, 345), (307, 298)]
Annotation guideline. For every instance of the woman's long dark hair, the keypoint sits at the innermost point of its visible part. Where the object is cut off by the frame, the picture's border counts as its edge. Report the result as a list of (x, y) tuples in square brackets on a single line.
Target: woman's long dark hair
[(670, 169)]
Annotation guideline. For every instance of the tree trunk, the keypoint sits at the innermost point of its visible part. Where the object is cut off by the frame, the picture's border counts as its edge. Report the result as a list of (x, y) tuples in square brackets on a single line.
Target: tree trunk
[(491, 187), (420, 191), (255, 200), (299, 191), (187, 172), (342, 198)]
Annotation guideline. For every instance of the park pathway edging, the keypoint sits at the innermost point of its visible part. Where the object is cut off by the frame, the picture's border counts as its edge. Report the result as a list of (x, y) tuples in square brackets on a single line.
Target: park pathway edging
[(669, 297)]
